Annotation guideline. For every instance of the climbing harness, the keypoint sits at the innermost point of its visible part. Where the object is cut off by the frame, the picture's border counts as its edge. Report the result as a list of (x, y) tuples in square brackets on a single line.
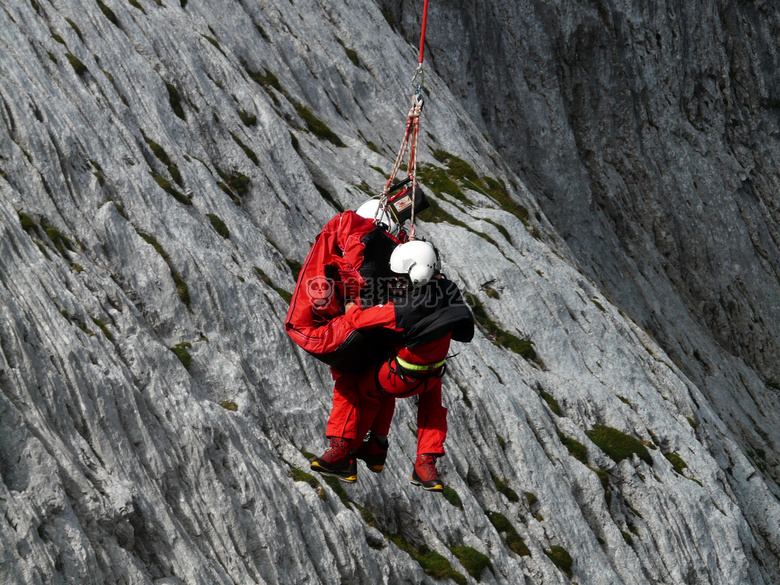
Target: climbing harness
[(409, 143)]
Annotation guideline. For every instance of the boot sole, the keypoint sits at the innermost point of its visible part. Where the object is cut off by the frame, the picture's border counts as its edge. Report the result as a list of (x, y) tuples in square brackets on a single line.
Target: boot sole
[(375, 468), (434, 488), (346, 477)]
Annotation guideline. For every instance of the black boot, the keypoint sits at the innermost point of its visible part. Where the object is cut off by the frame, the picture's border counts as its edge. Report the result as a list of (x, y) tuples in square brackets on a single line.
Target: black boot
[(373, 452)]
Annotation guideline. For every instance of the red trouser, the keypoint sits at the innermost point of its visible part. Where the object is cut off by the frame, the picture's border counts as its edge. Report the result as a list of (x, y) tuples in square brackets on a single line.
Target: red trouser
[(366, 401), (345, 415)]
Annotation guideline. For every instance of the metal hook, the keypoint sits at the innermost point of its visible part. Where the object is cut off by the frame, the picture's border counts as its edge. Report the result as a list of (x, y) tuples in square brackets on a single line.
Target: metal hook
[(421, 74)]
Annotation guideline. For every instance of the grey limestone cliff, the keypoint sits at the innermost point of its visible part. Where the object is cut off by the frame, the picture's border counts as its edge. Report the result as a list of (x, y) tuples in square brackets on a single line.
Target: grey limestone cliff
[(650, 139), (164, 168)]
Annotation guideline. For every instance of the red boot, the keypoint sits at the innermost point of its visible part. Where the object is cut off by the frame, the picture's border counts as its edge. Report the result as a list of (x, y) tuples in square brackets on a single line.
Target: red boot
[(425, 474), (338, 461), (373, 453)]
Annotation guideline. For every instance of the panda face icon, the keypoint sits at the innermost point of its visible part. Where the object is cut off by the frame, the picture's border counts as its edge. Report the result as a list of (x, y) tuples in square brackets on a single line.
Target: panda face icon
[(320, 290)]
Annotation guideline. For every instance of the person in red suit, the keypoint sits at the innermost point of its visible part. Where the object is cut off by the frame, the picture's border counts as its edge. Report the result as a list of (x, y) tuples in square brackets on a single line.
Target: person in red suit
[(349, 256), (427, 313)]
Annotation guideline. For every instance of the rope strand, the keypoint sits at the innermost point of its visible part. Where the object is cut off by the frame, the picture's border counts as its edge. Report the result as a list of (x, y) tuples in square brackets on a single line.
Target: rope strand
[(409, 143), (422, 32), (412, 131)]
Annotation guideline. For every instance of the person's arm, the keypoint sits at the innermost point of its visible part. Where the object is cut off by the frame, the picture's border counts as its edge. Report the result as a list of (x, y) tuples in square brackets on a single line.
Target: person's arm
[(371, 317), (349, 236)]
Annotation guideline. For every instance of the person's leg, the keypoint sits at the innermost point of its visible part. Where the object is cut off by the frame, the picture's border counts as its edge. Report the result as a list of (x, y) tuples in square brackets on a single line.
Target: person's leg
[(406, 374), (413, 371), (431, 415), (359, 407), (394, 381), (344, 417), (376, 414), (431, 420), (381, 426), (342, 430)]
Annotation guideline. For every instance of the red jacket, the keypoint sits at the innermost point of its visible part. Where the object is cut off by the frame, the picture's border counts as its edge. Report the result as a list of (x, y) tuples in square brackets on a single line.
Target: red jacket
[(316, 321)]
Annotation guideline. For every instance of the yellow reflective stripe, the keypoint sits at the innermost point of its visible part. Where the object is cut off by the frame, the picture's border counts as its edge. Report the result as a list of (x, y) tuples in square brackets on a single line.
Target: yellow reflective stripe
[(419, 367)]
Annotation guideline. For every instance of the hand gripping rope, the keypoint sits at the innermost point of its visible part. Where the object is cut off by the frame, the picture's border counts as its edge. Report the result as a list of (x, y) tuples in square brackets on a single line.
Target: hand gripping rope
[(409, 142)]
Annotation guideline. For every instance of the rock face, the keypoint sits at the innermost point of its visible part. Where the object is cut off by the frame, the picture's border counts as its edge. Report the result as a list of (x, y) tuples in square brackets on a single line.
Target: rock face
[(164, 168), (649, 133)]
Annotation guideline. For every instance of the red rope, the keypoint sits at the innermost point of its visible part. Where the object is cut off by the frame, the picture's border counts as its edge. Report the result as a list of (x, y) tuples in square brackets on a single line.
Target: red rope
[(409, 143), (412, 129), (422, 33)]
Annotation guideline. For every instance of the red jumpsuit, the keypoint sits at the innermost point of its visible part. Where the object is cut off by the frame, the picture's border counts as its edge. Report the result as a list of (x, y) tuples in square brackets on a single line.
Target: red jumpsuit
[(430, 318), (366, 400), (346, 414), (431, 413)]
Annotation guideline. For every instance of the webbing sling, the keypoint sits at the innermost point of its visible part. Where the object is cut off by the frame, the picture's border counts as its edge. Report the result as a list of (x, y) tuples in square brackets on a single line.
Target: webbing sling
[(419, 367)]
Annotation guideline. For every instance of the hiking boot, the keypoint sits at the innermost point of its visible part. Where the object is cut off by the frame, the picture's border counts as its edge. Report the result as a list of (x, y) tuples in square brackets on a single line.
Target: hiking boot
[(373, 452), (425, 474), (337, 461)]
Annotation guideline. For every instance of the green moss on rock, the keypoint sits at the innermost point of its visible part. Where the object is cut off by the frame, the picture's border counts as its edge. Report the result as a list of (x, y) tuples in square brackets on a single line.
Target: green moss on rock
[(77, 65), (60, 241), (317, 126), (251, 155), (103, 327), (503, 488), (551, 402), (575, 448), (180, 351), (560, 558), (163, 157), (218, 225), (432, 562), (522, 347), (677, 462), (175, 100), (472, 560), (168, 187), (300, 475), (336, 486), (27, 222), (247, 118), (181, 286), (617, 444), (513, 540), (108, 13), (452, 497), (287, 296)]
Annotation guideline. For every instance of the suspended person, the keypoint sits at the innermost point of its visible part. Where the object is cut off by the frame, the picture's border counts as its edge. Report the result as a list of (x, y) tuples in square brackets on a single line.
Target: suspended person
[(349, 255), (339, 460), (429, 310)]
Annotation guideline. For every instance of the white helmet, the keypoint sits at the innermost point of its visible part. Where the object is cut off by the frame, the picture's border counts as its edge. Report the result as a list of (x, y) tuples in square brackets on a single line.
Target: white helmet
[(370, 210), (417, 259)]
